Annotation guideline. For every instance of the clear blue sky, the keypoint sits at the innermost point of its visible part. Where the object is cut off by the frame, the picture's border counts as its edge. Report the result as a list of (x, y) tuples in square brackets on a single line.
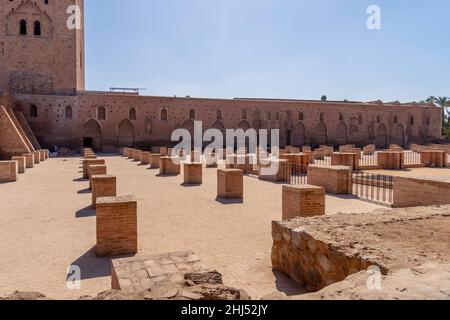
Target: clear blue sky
[(270, 48)]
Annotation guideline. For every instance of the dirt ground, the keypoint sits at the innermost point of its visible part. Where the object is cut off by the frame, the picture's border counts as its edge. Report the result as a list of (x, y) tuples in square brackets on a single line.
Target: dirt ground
[(46, 225)]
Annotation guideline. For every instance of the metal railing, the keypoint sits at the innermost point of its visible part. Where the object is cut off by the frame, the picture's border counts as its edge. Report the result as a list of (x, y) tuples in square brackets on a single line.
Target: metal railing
[(412, 158), (373, 187), (294, 174), (368, 160)]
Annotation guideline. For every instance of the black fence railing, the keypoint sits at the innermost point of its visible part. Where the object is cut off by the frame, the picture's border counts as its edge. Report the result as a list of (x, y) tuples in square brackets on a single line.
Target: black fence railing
[(412, 158), (294, 174), (374, 187)]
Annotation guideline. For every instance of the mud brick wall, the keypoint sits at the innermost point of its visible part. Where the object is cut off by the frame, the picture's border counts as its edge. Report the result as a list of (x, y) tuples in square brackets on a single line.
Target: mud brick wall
[(303, 201), (230, 183), (29, 160), (21, 163), (193, 173), (335, 179), (116, 226), (91, 162), (8, 171), (103, 186), (409, 192), (311, 262)]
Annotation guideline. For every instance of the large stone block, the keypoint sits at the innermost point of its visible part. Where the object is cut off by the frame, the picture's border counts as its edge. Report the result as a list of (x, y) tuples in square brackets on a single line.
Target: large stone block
[(103, 186), (131, 154), (91, 162), (335, 179), (42, 155), (116, 226), (230, 183), (193, 173), (303, 201), (170, 166), (8, 171)]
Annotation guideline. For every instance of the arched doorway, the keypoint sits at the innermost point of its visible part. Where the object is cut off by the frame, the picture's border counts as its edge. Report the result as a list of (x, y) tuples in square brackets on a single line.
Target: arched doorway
[(321, 134), (92, 135), (381, 137), (342, 134), (244, 125), (399, 135), (218, 125), (298, 135), (125, 133)]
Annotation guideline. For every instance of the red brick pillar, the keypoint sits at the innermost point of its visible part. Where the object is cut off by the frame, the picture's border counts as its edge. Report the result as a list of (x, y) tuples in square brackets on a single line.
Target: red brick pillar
[(96, 170), (29, 159), (145, 158), (21, 163), (303, 201), (37, 157), (8, 171), (193, 173), (230, 183), (103, 186), (170, 166), (155, 161), (116, 226), (91, 162)]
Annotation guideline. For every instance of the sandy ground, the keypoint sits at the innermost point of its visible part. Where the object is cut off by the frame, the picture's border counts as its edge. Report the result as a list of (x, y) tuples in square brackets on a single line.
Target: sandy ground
[(46, 225), (416, 172)]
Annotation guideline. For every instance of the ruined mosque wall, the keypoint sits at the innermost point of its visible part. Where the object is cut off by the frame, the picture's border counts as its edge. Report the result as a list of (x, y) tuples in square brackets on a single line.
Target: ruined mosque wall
[(133, 120)]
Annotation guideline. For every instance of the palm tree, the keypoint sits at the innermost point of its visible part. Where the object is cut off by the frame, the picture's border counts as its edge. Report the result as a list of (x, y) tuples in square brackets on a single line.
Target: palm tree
[(444, 103)]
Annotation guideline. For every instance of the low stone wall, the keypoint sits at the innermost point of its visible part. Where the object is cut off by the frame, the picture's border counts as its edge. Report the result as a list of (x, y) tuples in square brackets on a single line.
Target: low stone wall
[(415, 192), (309, 261), (434, 158), (335, 179)]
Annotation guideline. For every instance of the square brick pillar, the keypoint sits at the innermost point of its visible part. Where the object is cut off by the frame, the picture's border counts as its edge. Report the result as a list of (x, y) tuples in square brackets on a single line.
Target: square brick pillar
[(170, 166), (96, 170), (116, 226), (303, 201), (8, 171), (335, 179), (37, 157), (42, 155), (369, 150), (125, 152), (283, 174), (391, 160), (347, 159), (230, 183), (29, 160), (155, 161), (145, 158), (434, 158), (137, 155), (131, 153), (103, 186), (193, 173), (306, 149), (163, 151), (91, 162), (21, 163)]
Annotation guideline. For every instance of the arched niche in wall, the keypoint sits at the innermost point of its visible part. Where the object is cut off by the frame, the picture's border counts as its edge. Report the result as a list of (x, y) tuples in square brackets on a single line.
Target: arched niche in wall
[(398, 137), (92, 135), (381, 139), (321, 134), (298, 136), (125, 134), (342, 134)]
